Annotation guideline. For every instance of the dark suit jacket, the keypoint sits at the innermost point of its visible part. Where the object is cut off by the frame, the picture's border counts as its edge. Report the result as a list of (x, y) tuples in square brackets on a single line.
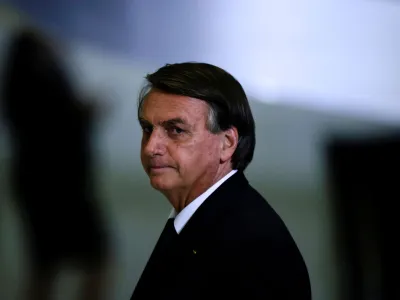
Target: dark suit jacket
[(235, 246)]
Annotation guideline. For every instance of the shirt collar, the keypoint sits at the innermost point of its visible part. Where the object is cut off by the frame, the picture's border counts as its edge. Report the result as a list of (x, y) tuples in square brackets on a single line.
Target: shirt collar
[(183, 217)]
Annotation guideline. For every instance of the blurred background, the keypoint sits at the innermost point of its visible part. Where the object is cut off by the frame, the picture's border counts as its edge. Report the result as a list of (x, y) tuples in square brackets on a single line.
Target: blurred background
[(323, 78)]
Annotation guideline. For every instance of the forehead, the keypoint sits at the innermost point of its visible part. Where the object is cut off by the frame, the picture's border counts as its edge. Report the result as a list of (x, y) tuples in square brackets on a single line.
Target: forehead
[(159, 106)]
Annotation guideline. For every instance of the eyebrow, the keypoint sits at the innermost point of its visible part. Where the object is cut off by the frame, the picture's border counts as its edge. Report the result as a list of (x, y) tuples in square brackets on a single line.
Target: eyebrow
[(174, 121), (170, 122)]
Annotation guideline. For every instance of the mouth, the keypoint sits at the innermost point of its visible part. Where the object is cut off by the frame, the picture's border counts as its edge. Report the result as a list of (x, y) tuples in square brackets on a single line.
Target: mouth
[(159, 168)]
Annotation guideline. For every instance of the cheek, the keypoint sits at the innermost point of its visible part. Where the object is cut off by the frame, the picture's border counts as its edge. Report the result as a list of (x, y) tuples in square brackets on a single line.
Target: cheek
[(142, 145), (143, 157), (197, 156), (178, 155)]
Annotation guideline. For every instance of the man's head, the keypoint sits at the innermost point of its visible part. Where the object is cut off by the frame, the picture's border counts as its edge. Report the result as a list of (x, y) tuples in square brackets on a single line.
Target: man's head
[(197, 126)]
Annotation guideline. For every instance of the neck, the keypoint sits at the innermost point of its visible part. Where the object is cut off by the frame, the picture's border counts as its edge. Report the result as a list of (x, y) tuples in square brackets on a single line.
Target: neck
[(182, 198)]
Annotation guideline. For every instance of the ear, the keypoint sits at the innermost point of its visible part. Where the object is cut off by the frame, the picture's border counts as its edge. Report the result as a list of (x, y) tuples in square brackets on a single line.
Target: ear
[(230, 138)]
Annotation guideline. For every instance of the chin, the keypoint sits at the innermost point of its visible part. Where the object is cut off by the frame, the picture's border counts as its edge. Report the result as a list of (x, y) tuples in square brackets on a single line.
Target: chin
[(162, 183)]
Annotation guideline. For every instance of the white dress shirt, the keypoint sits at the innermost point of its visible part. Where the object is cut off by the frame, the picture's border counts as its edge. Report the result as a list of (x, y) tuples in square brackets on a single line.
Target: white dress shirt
[(183, 217)]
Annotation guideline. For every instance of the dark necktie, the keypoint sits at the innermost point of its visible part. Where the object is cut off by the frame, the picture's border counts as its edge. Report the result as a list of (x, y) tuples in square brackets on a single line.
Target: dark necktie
[(167, 236)]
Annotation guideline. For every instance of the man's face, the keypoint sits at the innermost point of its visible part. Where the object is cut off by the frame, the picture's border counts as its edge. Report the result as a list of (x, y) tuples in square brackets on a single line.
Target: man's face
[(177, 151)]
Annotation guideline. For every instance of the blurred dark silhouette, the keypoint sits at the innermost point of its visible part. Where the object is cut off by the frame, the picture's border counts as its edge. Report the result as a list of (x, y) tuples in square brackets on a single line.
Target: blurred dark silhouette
[(50, 130), (365, 184)]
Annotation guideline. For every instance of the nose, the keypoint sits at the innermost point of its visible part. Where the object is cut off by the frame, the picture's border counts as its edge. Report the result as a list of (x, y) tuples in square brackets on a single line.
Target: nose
[(154, 144)]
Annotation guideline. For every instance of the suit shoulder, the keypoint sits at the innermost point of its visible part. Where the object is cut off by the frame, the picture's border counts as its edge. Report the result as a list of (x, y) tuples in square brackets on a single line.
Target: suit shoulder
[(251, 224), (261, 243), (253, 213)]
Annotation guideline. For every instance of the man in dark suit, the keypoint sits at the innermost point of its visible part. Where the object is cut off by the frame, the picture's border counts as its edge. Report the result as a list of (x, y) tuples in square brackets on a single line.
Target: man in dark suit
[(222, 240)]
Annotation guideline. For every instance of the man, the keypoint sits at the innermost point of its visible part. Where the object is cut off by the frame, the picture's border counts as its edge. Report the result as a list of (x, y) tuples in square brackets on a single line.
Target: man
[(223, 240)]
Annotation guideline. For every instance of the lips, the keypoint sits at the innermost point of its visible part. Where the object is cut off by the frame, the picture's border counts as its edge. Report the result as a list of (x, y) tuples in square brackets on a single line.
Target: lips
[(159, 167)]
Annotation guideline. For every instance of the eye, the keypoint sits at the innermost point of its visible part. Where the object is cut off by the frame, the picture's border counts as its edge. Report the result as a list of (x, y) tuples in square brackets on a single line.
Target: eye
[(147, 129), (176, 131)]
